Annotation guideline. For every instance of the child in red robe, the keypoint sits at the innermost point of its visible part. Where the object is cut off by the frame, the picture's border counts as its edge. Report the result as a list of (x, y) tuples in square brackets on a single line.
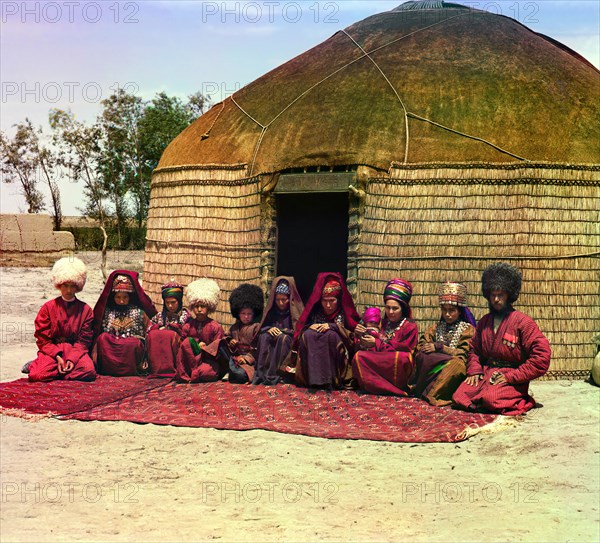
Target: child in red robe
[(198, 359), (64, 329), (508, 350)]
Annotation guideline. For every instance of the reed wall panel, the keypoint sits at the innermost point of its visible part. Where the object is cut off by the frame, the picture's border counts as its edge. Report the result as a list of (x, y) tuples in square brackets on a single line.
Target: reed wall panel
[(435, 223), (203, 222)]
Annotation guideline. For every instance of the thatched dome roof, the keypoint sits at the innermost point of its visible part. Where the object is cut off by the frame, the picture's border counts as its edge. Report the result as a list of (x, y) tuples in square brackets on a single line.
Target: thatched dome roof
[(371, 94)]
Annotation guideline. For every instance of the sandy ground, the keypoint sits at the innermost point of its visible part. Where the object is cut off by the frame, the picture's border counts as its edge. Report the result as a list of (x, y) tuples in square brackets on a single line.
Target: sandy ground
[(105, 481)]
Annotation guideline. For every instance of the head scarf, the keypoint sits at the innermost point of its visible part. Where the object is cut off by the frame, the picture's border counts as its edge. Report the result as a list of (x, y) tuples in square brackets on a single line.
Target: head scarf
[(172, 289), (283, 287), (122, 283), (140, 297), (346, 305), (296, 303), (372, 314), (400, 291)]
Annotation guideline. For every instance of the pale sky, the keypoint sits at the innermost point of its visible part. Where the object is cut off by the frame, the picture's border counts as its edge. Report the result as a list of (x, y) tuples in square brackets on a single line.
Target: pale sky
[(72, 54)]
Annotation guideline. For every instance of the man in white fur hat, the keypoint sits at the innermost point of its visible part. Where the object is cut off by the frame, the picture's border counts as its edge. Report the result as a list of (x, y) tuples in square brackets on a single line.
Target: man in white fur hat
[(64, 328)]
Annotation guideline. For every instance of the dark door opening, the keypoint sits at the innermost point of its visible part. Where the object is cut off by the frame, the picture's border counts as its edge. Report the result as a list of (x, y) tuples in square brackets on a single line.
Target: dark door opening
[(312, 236)]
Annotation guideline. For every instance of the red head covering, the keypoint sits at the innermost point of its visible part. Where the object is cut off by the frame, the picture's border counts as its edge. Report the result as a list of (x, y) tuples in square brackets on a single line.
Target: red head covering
[(143, 300), (331, 288), (351, 316)]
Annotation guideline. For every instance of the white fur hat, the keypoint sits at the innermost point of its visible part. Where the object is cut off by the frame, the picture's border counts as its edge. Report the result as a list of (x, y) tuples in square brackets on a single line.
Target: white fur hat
[(204, 291), (69, 270)]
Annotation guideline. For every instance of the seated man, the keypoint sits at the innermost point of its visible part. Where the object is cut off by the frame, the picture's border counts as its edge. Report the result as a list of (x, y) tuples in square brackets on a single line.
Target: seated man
[(508, 350)]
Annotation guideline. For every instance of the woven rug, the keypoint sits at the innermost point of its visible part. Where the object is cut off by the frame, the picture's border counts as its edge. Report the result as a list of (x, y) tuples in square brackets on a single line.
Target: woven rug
[(23, 399), (292, 410)]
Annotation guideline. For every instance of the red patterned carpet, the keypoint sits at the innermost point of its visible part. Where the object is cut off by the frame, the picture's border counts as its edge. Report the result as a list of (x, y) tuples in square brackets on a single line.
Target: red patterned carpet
[(291, 410), (22, 398)]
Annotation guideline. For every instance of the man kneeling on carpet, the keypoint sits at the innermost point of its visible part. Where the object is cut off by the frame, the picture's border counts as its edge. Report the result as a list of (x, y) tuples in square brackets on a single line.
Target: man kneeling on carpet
[(64, 329), (508, 350)]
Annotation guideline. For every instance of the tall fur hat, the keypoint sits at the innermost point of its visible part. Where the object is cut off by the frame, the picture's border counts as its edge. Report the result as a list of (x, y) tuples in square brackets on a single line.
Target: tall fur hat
[(69, 270), (502, 276), (247, 295), (204, 291)]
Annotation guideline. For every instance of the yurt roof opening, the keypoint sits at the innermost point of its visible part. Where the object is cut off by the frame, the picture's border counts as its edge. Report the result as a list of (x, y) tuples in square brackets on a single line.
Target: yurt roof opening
[(425, 142)]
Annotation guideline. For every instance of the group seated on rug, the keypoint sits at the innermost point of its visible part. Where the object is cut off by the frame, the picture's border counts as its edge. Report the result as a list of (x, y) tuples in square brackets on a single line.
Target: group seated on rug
[(483, 367)]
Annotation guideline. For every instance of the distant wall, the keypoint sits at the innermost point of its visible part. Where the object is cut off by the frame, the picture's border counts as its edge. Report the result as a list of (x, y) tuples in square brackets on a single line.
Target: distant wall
[(29, 240)]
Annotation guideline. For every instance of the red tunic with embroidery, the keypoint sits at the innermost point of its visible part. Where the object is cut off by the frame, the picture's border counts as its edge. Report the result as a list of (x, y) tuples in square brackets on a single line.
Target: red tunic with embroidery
[(519, 350), (63, 329)]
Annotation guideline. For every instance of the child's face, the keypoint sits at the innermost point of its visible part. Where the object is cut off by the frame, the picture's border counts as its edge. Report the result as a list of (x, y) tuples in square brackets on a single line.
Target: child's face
[(282, 301), (68, 290), (122, 298), (171, 304), (201, 311), (450, 313), (246, 315), (372, 324)]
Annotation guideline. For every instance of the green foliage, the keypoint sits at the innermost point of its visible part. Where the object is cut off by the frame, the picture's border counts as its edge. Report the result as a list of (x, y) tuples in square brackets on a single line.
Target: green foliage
[(132, 238)]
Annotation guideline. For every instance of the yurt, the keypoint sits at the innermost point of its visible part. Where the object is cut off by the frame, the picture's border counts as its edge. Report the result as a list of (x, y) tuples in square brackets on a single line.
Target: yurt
[(425, 142)]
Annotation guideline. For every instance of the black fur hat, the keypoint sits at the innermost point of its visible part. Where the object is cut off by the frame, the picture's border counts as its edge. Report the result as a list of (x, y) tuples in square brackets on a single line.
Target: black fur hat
[(501, 276), (247, 295)]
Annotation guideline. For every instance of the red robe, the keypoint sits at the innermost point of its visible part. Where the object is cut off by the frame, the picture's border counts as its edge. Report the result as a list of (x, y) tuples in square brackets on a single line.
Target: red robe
[(63, 329), (519, 350), (386, 368), (206, 366)]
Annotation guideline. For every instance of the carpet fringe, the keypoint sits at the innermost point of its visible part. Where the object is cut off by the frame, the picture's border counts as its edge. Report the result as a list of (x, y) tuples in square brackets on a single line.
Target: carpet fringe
[(21, 414), (498, 425)]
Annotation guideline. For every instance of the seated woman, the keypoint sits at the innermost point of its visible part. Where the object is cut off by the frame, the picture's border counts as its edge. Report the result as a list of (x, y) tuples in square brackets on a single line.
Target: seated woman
[(198, 359), (384, 366), (441, 355), (246, 304), (323, 336), (121, 318), (163, 336), (64, 329), (281, 315)]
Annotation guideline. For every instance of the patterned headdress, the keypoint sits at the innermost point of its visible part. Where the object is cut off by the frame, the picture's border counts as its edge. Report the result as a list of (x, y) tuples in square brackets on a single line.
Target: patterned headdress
[(204, 291), (172, 289), (332, 288), (122, 283), (453, 294), (372, 314), (399, 290), (502, 276), (283, 287), (69, 270)]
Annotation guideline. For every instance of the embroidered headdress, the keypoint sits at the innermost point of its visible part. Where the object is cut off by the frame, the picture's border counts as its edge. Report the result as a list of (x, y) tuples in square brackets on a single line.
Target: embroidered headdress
[(203, 291), (122, 283), (69, 270), (283, 287), (332, 288), (502, 276), (453, 294)]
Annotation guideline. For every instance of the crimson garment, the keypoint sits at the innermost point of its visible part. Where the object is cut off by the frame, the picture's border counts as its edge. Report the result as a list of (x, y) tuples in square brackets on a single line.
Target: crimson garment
[(519, 350), (205, 366), (272, 351), (118, 356), (387, 368), (163, 340), (323, 358), (138, 298), (63, 329)]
